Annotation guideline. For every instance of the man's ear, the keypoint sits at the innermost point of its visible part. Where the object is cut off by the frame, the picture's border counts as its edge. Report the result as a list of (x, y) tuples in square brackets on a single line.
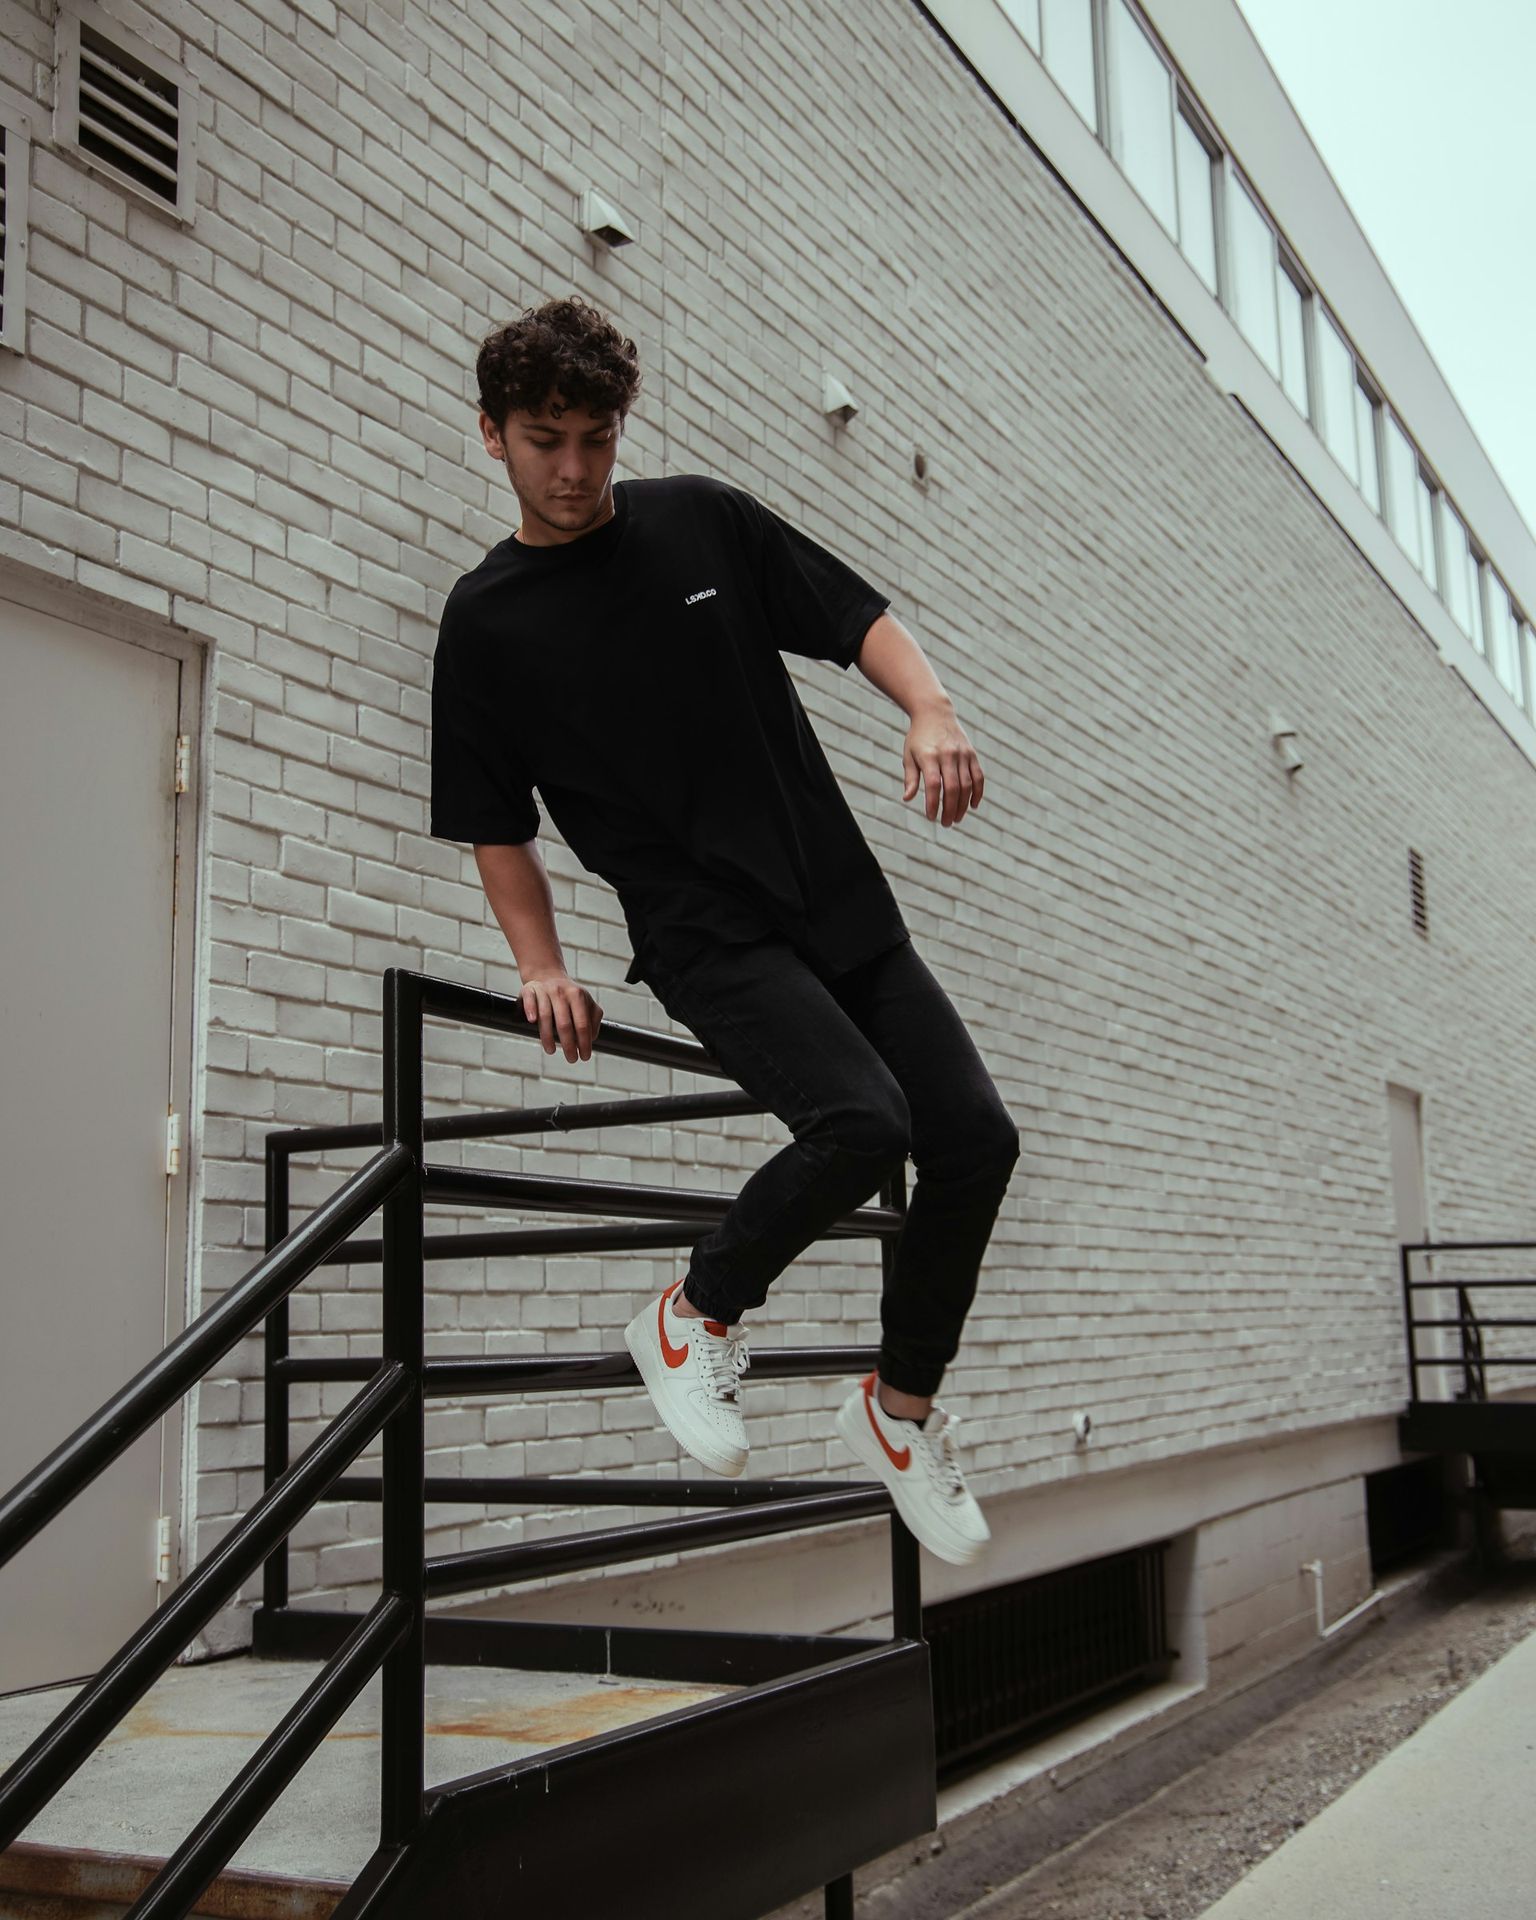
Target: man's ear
[(490, 433)]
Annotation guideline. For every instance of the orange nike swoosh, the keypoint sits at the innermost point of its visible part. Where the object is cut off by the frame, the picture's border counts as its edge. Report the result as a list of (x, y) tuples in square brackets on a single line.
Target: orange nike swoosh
[(901, 1461), (674, 1356)]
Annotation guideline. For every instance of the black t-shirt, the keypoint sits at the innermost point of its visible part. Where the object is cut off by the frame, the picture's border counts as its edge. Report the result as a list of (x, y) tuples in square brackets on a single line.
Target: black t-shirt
[(634, 676)]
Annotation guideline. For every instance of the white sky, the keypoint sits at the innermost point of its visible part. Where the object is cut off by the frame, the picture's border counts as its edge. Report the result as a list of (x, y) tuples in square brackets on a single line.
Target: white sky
[(1422, 112)]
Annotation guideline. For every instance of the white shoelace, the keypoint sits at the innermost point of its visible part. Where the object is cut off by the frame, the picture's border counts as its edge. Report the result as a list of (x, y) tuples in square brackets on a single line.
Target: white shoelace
[(945, 1457), (720, 1361)]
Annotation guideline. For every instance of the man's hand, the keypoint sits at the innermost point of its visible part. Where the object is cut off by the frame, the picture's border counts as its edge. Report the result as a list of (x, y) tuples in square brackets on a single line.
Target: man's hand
[(559, 1006), (938, 754)]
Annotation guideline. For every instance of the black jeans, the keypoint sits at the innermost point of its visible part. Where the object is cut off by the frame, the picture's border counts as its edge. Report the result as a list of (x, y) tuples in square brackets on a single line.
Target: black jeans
[(863, 1068)]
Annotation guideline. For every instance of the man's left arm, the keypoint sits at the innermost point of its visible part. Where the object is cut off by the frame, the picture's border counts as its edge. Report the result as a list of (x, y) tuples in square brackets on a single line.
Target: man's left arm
[(937, 753)]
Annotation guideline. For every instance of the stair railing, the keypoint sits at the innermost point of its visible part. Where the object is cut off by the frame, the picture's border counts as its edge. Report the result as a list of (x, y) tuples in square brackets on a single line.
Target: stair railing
[(391, 1635)]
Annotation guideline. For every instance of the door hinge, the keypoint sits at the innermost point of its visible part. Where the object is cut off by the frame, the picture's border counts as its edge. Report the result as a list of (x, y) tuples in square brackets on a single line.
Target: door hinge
[(163, 1550), (172, 1143), (183, 761)]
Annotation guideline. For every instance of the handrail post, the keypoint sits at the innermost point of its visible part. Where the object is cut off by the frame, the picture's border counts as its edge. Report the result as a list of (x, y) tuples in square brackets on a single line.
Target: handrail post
[(906, 1574), (275, 1402), (404, 1470)]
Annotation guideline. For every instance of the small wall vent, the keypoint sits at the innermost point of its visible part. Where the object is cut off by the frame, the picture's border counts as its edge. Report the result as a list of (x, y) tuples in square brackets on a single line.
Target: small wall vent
[(1416, 891), (126, 109)]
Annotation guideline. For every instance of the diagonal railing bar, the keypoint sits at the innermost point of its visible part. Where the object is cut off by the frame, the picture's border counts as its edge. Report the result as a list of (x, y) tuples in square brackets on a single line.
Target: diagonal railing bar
[(32, 1780), (206, 1851), (92, 1448)]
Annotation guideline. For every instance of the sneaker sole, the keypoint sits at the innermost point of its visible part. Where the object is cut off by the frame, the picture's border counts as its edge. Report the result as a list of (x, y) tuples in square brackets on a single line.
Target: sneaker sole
[(643, 1353), (957, 1551)]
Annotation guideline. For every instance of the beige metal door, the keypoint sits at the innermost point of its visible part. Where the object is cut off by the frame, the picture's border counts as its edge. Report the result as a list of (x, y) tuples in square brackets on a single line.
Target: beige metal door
[(1409, 1206), (87, 864)]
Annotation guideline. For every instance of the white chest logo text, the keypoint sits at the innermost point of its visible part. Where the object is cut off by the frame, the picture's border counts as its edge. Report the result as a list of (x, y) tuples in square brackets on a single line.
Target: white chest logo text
[(706, 594)]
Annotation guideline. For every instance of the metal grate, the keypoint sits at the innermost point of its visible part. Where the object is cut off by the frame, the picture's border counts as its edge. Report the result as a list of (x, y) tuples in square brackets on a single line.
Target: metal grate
[(129, 116), (1013, 1659), (1416, 890)]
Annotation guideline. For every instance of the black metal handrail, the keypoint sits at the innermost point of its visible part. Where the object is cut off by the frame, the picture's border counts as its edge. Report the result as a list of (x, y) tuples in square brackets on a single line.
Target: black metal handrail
[(394, 1386), (72, 1736), (31, 1781), (1472, 1357), (152, 1392)]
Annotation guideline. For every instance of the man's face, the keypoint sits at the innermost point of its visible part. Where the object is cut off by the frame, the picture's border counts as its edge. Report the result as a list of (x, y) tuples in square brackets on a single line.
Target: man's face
[(560, 462)]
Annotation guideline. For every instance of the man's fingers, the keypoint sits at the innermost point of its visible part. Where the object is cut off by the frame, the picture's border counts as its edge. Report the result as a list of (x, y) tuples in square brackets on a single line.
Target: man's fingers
[(566, 1016)]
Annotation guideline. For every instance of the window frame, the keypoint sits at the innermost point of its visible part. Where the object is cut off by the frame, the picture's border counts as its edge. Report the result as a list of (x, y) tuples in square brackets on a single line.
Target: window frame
[(1114, 142), (16, 130)]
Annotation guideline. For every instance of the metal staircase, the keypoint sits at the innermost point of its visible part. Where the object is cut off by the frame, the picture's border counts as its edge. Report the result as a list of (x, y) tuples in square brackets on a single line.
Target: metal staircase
[(818, 1758), (1469, 1368)]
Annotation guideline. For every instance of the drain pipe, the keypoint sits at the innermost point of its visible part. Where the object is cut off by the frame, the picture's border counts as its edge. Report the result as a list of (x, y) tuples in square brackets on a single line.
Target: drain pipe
[(1325, 1632)]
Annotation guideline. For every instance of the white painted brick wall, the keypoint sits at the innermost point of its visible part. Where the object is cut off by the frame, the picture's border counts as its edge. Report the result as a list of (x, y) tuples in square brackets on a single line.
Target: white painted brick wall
[(1190, 979)]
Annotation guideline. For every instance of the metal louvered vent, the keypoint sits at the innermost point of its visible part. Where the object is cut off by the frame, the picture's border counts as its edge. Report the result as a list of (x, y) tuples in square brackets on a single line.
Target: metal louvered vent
[(1416, 889), (1011, 1661), (130, 116)]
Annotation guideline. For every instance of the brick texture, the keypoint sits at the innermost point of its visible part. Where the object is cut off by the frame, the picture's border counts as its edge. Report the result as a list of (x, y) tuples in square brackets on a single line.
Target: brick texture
[(1191, 979)]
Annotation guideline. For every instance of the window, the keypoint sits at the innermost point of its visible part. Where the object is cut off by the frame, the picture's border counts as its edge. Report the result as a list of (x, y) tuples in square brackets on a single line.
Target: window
[(1336, 369), (1528, 655), (1253, 275), (1025, 15), (1067, 31), (1365, 436), (1475, 595), (1458, 566), (1402, 490), (1197, 200), (15, 150), (1503, 635), (1429, 564), (1293, 342), (1141, 113)]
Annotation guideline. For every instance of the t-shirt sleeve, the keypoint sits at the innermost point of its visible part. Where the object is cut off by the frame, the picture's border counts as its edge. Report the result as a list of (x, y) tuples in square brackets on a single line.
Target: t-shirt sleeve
[(480, 788), (819, 606)]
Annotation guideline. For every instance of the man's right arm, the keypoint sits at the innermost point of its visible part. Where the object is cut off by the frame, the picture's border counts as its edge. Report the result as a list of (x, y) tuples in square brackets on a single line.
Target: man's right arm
[(517, 886)]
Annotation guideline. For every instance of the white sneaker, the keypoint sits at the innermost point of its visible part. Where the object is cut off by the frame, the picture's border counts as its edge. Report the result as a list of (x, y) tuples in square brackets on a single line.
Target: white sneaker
[(919, 1464), (690, 1366)]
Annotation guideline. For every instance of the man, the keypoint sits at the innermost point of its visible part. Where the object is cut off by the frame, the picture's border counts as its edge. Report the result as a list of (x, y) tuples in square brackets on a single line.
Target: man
[(622, 652)]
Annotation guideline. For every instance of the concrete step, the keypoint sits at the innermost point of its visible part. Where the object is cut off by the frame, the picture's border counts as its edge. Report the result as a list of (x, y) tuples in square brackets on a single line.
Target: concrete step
[(89, 1852), (74, 1883)]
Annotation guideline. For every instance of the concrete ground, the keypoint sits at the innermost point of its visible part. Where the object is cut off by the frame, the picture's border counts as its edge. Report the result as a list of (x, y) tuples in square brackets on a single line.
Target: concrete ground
[(1443, 1825), (174, 1753)]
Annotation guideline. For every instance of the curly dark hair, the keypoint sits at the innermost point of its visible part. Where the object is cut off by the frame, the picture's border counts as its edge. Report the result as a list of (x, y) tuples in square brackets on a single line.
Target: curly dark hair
[(565, 345)]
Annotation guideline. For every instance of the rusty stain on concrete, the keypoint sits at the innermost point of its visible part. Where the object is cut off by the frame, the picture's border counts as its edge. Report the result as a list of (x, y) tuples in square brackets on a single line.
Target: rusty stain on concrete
[(143, 1723), (566, 1720), (552, 1725)]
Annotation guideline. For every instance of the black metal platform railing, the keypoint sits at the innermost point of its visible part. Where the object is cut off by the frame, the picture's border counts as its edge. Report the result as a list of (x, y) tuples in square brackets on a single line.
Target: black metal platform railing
[(1471, 1307), (873, 1678), (59, 1751)]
